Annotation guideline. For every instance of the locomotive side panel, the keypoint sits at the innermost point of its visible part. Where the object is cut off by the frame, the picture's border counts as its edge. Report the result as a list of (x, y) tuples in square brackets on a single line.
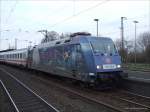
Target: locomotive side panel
[(66, 60)]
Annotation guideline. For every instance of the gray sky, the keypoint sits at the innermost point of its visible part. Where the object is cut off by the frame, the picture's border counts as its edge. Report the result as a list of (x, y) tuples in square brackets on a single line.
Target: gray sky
[(23, 18)]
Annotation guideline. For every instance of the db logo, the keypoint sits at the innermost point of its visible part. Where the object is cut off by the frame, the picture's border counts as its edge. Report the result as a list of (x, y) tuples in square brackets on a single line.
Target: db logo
[(108, 60)]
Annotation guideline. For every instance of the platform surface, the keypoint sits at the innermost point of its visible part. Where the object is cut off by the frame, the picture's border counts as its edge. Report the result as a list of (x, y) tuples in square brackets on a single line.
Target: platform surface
[(138, 75)]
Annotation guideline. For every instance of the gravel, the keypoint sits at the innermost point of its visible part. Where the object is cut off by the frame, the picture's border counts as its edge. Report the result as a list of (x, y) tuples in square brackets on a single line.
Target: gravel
[(63, 101)]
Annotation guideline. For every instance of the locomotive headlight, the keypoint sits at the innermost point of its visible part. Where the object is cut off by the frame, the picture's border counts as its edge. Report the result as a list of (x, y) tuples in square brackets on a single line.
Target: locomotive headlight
[(118, 66), (98, 67), (91, 74)]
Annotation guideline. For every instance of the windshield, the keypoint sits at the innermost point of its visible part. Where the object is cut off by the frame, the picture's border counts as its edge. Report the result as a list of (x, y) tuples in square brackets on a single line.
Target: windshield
[(103, 46)]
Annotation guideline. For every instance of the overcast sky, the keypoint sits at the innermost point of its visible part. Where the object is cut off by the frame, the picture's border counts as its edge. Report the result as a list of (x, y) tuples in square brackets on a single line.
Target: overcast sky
[(23, 18)]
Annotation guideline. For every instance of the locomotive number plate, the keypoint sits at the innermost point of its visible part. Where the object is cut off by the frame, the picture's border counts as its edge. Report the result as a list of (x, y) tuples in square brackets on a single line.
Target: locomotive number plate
[(109, 66)]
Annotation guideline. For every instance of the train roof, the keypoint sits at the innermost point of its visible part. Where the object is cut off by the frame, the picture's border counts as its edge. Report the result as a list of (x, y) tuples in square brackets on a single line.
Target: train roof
[(6, 50), (72, 39), (15, 51), (98, 38)]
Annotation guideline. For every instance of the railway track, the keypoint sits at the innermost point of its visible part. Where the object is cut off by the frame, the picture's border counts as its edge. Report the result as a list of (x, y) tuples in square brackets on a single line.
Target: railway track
[(138, 95), (137, 86), (144, 100), (112, 102), (128, 102), (119, 101), (109, 108), (6, 105), (116, 101), (22, 97)]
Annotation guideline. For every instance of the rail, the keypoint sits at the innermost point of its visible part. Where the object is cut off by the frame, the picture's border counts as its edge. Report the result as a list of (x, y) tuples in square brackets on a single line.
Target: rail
[(25, 98), (12, 101)]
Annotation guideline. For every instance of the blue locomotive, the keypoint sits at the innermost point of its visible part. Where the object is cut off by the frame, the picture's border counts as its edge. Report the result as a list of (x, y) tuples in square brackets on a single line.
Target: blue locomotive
[(81, 57)]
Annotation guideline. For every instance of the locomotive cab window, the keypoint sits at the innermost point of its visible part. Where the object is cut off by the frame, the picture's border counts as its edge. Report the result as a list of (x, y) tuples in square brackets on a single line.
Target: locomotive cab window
[(103, 46)]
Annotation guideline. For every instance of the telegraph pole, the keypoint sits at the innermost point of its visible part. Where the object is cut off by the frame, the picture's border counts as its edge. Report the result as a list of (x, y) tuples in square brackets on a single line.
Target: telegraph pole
[(122, 38)]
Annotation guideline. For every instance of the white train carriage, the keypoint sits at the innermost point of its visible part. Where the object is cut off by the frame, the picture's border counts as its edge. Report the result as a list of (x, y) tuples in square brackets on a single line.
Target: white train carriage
[(15, 57)]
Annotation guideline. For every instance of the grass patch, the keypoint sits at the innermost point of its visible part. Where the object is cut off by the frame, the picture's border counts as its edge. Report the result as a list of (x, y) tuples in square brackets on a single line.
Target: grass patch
[(138, 66)]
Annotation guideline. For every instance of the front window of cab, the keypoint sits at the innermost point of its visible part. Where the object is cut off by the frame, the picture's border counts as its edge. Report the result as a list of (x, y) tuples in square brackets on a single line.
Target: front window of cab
[(103, 45)]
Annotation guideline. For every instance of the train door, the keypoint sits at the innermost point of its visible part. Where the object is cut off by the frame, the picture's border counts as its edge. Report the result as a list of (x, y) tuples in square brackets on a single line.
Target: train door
[(77, 60), (29, 58)]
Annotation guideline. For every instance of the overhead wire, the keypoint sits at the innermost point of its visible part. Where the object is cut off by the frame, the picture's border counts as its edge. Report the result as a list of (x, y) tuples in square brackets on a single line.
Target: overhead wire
[(12, 10), (57, 11), (68, 18), (83, 11)]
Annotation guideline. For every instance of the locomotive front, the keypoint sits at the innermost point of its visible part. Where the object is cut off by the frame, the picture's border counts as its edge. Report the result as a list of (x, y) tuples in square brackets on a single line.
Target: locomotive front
[(106, 61)]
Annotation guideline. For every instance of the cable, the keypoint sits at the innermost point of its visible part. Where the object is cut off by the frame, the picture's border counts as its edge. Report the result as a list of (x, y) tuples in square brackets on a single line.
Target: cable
[(68, 18), (12, 10), (126, 30), (57, 11)]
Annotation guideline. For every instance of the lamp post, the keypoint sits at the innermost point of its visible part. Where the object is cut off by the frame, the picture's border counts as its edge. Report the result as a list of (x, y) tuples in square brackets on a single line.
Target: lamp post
[(135, 22), (97, 25), (122, 37)]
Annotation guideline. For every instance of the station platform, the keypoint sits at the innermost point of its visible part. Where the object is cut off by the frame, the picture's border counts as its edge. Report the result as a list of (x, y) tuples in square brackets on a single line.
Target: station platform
[(138, 75)]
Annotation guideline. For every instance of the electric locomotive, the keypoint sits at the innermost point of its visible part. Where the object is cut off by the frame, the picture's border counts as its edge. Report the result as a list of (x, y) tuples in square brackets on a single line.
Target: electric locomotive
[(81, 57)]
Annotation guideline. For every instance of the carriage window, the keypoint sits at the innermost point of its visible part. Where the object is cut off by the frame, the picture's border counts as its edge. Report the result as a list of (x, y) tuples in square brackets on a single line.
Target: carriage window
[(21, 56), (24, 55)]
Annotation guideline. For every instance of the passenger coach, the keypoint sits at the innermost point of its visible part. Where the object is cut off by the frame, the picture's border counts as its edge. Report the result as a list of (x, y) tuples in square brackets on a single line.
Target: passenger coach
[(15, 57)]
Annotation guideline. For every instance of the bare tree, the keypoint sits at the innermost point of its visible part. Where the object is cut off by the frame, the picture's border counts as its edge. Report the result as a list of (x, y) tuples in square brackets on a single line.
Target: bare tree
[(143, 49), (144, 43), (64, 35), (144, 40), (50, 36), (123, 52), (118, 43)]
